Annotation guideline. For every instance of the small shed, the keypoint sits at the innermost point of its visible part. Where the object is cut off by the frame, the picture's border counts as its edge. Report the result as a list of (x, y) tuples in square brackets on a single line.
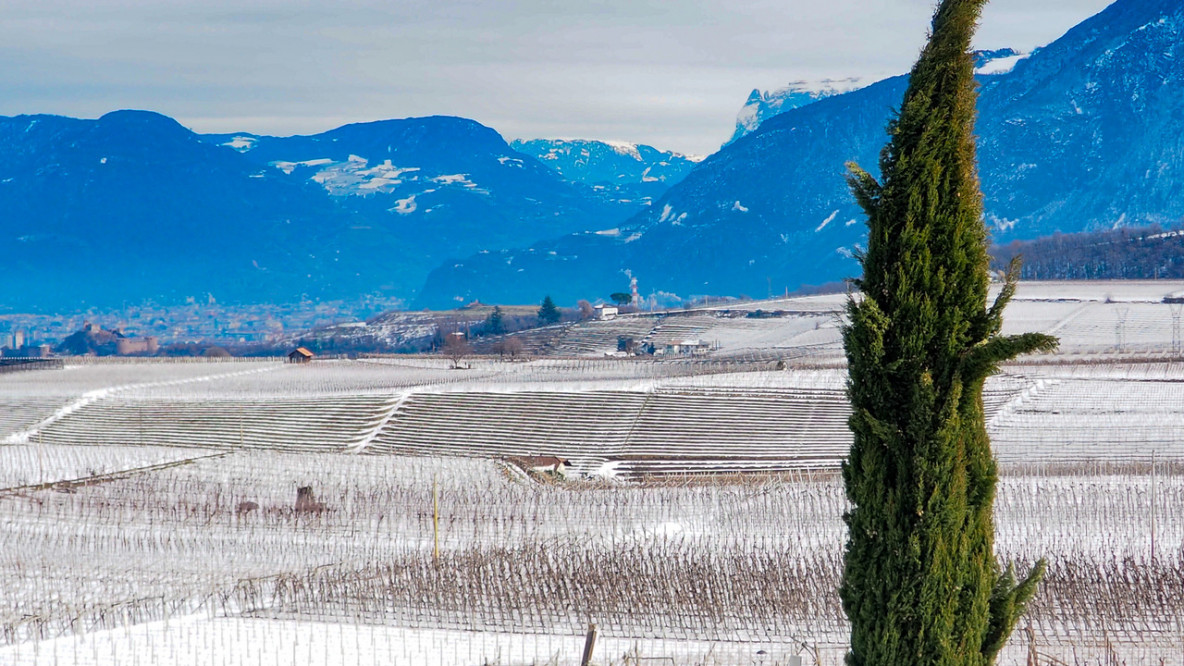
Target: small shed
[(300, 355)]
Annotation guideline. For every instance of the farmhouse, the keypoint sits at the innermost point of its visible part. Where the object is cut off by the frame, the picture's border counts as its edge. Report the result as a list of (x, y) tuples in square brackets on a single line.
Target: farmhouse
[(300, 355)]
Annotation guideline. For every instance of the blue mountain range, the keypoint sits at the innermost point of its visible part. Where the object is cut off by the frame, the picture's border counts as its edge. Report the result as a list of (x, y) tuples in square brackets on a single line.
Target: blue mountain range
[(133, 206), (1084, 134)]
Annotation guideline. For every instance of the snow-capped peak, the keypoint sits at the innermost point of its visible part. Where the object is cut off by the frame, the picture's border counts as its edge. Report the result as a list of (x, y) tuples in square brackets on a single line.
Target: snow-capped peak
[(625, 148), (762, 105)]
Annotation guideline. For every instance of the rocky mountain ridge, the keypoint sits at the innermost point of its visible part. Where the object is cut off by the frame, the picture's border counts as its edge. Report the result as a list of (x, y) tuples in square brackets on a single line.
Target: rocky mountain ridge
[(628, 172)]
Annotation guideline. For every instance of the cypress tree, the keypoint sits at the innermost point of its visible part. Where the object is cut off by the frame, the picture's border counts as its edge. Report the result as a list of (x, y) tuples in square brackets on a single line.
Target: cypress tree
[(921, 584)]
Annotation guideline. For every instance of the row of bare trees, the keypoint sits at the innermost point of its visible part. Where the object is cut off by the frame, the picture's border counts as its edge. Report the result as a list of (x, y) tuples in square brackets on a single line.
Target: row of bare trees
[(1113, 254)]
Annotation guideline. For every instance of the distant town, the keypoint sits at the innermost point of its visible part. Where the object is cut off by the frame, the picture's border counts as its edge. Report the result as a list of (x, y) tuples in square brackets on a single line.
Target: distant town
[(193, 323)]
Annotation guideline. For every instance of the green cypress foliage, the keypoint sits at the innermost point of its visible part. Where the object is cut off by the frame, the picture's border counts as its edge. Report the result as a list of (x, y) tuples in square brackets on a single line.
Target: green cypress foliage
[(548, 313), (921, 585)]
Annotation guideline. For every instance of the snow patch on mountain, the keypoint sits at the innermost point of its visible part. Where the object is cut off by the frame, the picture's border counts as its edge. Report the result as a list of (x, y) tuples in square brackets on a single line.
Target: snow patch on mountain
[(356, 176), (1000, 65), (289, 167), (241, 143), (455, 179), (1000, 224), (404, 206), (1163, 20)]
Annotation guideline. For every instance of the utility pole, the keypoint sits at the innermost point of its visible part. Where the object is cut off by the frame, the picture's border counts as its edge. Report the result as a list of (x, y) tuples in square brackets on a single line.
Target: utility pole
[(1120, 329)]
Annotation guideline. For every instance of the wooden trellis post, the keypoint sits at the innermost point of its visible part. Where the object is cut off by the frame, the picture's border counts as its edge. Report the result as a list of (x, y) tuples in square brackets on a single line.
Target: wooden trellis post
[(589, 645), (435, 521)]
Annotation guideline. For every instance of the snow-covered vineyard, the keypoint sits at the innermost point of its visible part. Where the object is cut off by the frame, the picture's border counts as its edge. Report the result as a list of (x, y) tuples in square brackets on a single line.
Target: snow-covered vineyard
[(149, 512), (1090, 318)]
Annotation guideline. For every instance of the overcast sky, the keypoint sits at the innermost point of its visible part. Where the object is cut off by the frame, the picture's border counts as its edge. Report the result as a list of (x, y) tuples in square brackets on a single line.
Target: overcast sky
[(671, 73)]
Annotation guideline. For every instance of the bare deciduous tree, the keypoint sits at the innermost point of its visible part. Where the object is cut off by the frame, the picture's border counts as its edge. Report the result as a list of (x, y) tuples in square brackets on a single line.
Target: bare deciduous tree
[(513, 347), (456, 348)]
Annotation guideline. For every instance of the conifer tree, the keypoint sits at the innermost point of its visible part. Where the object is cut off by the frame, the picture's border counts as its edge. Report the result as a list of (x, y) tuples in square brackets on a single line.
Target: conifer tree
[(495, 323), (548, 313), (921, 585)]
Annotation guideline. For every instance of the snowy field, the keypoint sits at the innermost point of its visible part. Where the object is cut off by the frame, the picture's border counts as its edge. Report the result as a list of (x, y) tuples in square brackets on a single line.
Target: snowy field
[(201, 641), (613, 418), (149, 514), (165, 564)]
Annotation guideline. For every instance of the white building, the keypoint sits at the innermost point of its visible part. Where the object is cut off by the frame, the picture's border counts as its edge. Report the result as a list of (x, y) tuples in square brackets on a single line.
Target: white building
[(605, 312)]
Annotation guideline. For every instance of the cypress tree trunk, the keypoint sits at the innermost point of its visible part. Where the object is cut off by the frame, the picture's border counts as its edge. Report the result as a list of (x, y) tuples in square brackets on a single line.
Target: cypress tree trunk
[(921, 585)]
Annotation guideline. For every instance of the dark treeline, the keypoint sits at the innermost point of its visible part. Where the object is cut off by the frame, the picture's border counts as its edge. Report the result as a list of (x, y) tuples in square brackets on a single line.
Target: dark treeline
[(1118, 254)]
